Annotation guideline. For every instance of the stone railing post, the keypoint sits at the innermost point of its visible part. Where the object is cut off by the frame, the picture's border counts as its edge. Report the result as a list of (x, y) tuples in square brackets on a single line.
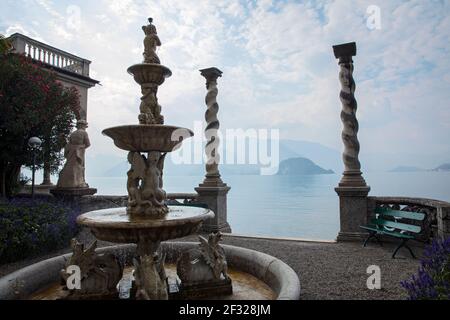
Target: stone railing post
[(443, 222), (85, 67), (352, 188), (213, 191), (18, 44)]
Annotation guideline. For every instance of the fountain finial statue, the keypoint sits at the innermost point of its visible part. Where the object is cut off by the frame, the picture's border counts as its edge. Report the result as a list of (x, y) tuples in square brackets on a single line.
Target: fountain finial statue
[(151, 41)]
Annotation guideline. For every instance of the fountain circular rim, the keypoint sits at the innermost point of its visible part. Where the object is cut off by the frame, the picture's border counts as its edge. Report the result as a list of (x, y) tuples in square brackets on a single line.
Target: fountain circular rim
[(98, 219), (146, 137), (166, 71)]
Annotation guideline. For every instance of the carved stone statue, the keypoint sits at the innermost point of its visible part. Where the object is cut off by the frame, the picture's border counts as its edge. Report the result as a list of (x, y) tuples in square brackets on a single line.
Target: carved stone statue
[(150, 110), (100, 274), (144, 184), (150, 278), (72, 174), (205, 265), (151, 41)]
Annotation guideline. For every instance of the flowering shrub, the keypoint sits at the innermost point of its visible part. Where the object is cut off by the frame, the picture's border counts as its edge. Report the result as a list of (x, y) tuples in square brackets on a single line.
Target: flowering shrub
[(32, 103), (433, 278), (32, 227)]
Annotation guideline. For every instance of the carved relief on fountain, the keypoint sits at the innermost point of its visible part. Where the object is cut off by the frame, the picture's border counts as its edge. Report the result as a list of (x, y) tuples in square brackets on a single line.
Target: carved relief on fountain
[(204, 271), (150, 110), (150, 278), (99, 274), (144, 184)]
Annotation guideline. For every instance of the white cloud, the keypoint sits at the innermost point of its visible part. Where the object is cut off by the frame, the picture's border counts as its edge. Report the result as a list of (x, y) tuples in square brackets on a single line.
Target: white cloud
[(279, 68)]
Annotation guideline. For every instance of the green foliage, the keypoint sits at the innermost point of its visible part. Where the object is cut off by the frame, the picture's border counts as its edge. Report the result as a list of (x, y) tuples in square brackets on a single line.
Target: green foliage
[(29, 228), (5, 44), (32, 103)]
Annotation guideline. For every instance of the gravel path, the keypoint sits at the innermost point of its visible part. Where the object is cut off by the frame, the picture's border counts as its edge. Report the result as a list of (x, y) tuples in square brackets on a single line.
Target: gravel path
[(326, 270), (338, 270)]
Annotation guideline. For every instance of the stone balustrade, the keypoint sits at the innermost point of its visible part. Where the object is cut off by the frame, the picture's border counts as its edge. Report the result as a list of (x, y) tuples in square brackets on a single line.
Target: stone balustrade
[(437, 221), (182, 198), (49, 55)]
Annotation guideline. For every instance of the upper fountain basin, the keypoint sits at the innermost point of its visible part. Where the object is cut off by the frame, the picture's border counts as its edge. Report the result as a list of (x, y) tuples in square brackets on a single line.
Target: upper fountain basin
[(148, 137), (149, 73)]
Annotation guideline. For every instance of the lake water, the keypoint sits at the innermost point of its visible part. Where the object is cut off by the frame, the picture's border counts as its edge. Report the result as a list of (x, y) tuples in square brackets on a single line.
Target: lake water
[(294, 206)]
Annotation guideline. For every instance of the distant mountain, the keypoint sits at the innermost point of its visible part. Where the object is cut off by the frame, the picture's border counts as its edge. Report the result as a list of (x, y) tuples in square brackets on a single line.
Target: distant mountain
[(299, 166), (407, 169), (443, 167), (321, 155)]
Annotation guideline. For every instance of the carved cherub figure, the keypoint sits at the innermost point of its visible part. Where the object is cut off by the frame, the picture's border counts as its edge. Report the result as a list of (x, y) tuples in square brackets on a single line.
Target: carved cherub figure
[(144, 183), (153, 178), (150, 110), (151, 41)]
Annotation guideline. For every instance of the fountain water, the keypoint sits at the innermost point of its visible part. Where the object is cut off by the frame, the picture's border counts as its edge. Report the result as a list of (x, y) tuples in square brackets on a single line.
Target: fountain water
[(147, 220)]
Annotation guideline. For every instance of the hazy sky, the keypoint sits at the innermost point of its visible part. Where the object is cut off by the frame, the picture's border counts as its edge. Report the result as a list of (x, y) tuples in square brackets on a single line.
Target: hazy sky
[(278, 64)]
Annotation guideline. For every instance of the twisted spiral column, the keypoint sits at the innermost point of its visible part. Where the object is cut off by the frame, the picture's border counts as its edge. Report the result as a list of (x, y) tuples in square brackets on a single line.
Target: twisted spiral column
[(352, 175), (212, 126)]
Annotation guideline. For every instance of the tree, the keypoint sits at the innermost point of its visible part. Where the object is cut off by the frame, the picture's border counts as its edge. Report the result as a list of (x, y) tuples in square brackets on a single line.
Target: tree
[(32, 103), (5, 44)]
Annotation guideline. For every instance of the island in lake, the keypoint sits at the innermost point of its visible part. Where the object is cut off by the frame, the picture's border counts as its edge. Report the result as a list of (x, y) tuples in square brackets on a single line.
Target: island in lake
[(407, 169), (443, 167), (300, 166)]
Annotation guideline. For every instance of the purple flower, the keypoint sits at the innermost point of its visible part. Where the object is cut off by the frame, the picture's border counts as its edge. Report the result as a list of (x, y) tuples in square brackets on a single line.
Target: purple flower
[(433, 278)]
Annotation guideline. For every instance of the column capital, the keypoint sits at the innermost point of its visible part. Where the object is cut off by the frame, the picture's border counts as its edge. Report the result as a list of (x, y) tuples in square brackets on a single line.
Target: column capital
[(211, 74), (344, 52)]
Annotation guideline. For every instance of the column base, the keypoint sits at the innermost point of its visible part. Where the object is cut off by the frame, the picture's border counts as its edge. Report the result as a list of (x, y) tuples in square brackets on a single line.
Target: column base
[(352, 178), (353, 210), (215, 196)]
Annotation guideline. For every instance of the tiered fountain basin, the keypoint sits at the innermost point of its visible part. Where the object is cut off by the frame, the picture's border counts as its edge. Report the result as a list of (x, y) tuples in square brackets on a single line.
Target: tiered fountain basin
[(115, 225), (255, 275), (146, 138), (149, 73)]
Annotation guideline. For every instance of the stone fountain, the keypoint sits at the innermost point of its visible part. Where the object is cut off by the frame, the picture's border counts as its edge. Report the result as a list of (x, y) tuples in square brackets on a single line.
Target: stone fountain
[(147, 220), (136, 268)]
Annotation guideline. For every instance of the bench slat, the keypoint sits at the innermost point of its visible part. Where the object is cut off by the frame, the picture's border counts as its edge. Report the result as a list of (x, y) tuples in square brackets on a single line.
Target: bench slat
[(396, 225), (391, 233), (400, 214)]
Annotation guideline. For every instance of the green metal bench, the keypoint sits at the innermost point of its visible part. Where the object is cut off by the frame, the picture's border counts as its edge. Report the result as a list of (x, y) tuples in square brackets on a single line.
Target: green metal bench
[(387, 223)]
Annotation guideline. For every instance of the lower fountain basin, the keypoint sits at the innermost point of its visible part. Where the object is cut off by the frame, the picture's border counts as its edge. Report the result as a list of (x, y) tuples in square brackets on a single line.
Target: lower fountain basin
[(148, 137), (277, 275), (115, 225)]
